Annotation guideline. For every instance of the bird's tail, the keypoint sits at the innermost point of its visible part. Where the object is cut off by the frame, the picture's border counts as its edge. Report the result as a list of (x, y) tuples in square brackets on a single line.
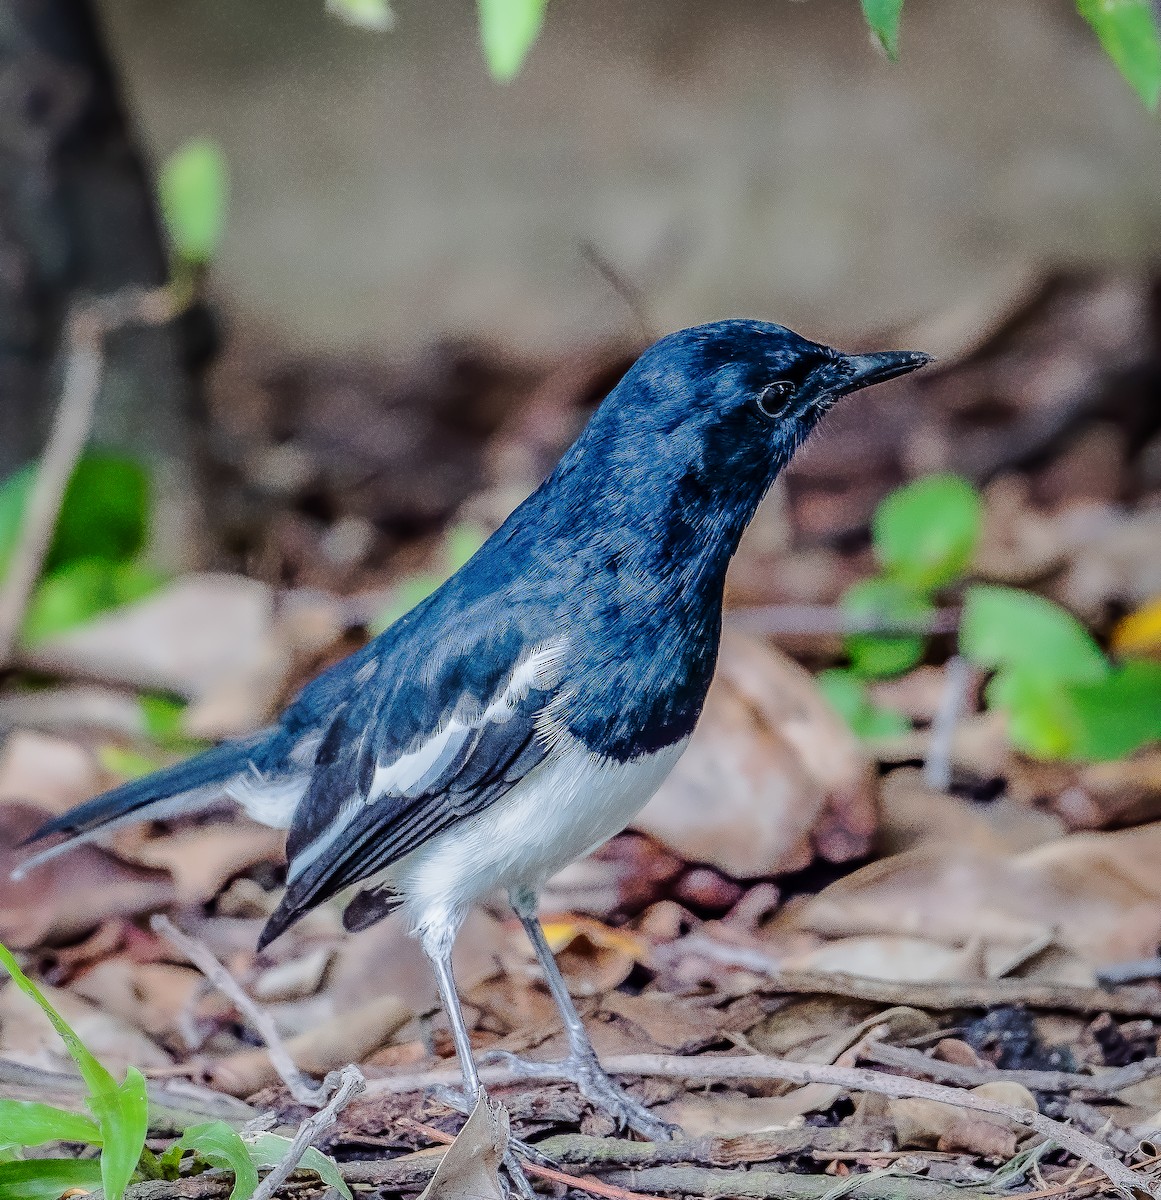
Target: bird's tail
[(183, 788)]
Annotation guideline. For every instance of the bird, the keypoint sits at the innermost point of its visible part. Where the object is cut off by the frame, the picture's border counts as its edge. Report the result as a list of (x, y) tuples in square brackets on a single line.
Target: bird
[(525, 711)]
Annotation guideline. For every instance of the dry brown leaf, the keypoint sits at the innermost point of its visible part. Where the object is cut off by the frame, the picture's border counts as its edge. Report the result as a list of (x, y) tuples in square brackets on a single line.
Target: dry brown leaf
[(67, 896), (470, 1170), (772, 776), (202, 859), (27, 1035), (150, 996), (1099, 895), (349, 1037), (50, 772)]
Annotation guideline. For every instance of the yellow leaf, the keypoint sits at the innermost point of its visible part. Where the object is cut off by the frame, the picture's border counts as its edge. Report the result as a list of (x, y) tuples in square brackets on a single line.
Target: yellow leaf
[(1140, 632), (566, 930)]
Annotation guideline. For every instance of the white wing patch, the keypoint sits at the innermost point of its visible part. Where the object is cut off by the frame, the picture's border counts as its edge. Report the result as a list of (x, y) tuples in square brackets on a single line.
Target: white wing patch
[(411, 774)]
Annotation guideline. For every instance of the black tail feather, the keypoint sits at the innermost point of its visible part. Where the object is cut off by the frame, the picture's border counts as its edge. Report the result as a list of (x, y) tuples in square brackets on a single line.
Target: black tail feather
[(213, 766)]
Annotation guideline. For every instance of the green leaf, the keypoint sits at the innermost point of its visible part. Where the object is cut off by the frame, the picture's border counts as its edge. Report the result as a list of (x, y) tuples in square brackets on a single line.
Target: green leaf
[(878, 655), (123, 1115), (193, 188), (221, 1146), (376, 16), (883, 18), (121, 1111), (269, 1149), (1005, 628), (926, 533), (47, 1178), (508, 28), (27, 1123), (1128, 31), (1119, 714), (104, 513), (1042, 721), (847, 695)]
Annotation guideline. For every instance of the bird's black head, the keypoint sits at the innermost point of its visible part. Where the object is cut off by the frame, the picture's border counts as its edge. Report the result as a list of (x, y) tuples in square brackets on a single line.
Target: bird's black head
[(701, 425)]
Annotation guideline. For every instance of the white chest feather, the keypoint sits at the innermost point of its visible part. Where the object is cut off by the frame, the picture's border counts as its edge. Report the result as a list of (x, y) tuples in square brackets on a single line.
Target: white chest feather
[(565, 807)]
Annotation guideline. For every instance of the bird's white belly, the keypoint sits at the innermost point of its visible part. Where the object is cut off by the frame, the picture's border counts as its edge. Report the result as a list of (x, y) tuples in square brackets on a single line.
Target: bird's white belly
[(568, 805)]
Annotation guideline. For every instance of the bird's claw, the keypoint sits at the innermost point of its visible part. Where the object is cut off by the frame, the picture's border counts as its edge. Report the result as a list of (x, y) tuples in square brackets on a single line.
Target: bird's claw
[(591, 1079)]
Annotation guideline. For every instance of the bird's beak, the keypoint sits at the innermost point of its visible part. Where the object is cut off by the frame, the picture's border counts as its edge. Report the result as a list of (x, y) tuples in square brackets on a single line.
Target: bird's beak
[(853, 372)]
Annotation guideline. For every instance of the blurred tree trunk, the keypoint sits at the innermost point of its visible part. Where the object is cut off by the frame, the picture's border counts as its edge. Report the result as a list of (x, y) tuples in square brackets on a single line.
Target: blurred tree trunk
[(76, 218)]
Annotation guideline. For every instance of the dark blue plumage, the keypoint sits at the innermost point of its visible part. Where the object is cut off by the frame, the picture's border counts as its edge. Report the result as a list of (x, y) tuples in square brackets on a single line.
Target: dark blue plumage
[(528, 707)]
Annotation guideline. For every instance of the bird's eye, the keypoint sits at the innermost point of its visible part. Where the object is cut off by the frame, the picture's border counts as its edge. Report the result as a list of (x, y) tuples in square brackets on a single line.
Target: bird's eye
[(772, 398)]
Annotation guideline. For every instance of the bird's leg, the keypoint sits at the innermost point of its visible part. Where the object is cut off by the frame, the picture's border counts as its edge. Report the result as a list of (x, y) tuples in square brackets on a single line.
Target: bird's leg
[(582, 1065), (439, 954)]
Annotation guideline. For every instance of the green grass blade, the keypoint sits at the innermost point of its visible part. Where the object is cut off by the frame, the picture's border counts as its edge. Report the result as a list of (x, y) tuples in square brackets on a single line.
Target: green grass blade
[(121, 1110), (883, 18), (27, 1123), (1128, 31), (47, 1178), (221, 1146)]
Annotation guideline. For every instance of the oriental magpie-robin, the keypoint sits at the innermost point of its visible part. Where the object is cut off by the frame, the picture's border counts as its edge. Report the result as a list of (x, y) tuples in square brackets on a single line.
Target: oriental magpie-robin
[(529, 708)]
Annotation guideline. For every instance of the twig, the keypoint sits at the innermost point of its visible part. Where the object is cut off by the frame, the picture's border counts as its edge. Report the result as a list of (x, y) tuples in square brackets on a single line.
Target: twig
[(72, 421), (1108, 1083), (593, 1186), (599, 1153), (628, 292), (957, 680), (710, 1069), (1130, 972), (944, 996), (350, 1084), (711, 1182), (202, 957), (821, 619)]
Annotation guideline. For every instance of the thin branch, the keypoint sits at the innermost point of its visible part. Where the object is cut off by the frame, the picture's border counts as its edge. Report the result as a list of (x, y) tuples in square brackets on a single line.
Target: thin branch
[(710, 1069), (350, 1084), (709, 1182), (202, 957), (1107, 1083), (84, 370), (957, 681), (821, 619), (1130, 972)]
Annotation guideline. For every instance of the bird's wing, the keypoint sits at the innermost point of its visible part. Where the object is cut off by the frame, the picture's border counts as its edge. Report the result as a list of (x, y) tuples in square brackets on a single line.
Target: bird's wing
[(388, 780)]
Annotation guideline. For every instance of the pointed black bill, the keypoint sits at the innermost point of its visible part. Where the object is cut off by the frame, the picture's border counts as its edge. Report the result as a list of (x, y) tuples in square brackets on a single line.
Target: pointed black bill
[(856, 371)]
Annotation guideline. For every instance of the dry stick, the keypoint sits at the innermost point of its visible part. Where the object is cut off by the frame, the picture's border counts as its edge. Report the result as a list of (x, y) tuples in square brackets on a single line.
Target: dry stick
[(593, 1186), (84, 370), (202, 957), (350, 1084), (709, 1069), (915, 1062), (937, 768)]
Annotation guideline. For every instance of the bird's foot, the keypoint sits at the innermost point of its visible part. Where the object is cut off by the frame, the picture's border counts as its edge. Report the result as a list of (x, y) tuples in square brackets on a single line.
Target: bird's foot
[(595, 1085)]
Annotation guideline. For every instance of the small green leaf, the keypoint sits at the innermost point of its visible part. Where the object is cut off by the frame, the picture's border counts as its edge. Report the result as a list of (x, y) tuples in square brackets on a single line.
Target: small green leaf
[(1042, 721), (376, 16), (269, 1149), (27, 1123), (47, 1178), (1118, 714), (193, 189), (883, 18), (1005, 628), (508, 29), (925, 533), (121, 1111), (104, 513), (221, 1146), (847, 695), (1128, 31), (878, 655)]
